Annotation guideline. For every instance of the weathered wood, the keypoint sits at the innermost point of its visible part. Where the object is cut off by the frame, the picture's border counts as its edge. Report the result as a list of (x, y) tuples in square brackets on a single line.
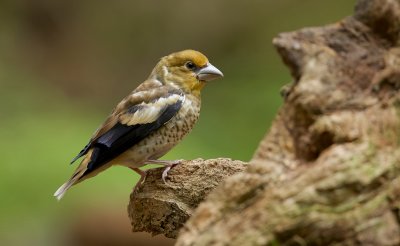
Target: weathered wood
[(163, 209), (328, 171)]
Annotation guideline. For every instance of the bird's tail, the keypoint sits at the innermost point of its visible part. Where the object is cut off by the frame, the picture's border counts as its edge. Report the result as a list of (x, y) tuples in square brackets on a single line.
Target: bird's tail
[(81, 173), (65, 187), (78, 176)]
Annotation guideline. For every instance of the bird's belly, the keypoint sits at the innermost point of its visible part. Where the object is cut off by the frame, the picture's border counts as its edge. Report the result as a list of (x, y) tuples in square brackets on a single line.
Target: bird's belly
[(162, 140)]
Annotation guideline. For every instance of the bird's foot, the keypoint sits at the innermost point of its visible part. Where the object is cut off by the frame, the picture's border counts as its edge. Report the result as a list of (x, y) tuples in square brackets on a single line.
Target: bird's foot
[(143, 175), (168, 165), (165, 172)]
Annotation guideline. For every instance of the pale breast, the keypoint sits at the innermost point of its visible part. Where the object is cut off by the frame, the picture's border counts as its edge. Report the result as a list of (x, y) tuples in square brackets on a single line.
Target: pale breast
[(166, 137)]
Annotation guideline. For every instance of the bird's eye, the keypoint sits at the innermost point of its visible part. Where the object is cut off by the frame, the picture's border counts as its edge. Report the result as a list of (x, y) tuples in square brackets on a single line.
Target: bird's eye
[(190, 65)]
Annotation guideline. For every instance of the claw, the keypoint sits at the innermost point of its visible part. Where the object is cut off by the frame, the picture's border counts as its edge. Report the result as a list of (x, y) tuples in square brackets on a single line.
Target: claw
[(165, 173), (166, 170), (168, 165)]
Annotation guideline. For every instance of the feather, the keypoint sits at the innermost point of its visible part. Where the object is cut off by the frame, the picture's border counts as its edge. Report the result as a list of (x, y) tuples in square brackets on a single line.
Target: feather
[(63, 188), (122, 136), (143, 112), (141, 107)]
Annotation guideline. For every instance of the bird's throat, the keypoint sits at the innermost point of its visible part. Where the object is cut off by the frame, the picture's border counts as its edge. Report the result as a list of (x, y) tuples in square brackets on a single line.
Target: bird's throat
[(197, 87)]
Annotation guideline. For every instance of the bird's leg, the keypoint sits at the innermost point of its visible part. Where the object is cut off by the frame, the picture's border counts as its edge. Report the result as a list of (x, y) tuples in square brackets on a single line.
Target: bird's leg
[(168, 165), (143, 175)]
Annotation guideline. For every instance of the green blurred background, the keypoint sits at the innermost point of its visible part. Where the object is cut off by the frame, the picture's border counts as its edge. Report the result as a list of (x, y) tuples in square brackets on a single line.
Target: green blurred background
[(64, 64)]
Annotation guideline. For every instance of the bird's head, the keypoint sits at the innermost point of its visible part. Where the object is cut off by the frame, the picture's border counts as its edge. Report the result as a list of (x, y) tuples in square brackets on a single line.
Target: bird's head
[(188, 70)]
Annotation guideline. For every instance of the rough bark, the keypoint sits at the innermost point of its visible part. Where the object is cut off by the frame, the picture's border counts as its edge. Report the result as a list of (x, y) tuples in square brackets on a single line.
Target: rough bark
[(161, 208), (328, 171)]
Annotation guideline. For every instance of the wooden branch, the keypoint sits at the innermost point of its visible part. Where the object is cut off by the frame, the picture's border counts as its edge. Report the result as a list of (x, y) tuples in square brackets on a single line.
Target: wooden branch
[(328, 171), (163, 209)]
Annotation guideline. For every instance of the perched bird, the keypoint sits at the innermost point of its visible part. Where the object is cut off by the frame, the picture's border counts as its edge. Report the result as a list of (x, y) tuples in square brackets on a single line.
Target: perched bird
[(151, 120)]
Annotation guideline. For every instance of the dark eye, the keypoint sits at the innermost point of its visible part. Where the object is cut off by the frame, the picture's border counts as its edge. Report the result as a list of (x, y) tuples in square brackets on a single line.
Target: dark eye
[(190, 65)]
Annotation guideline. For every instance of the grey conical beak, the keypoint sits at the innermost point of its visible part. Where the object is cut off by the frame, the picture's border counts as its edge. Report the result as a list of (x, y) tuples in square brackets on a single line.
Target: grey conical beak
[(209, 73)]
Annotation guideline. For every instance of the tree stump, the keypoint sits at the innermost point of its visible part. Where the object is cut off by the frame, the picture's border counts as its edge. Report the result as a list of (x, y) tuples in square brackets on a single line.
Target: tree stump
[(161, 208), (328, 171)]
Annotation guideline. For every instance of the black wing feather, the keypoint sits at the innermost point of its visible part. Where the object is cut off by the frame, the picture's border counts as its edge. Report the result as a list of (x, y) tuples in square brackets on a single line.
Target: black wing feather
[(82, 152), (122, 137)]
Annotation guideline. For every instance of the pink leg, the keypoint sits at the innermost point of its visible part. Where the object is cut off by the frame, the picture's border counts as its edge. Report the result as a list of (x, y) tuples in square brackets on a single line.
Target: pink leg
[(142, 174), (168, 165)]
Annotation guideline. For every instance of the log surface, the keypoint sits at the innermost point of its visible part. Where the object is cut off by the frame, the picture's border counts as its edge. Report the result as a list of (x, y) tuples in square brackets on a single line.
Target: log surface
[(328, 170), (161, 208)]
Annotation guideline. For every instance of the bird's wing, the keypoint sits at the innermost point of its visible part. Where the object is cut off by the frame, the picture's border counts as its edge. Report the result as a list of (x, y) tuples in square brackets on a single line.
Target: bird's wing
[(134, 118)]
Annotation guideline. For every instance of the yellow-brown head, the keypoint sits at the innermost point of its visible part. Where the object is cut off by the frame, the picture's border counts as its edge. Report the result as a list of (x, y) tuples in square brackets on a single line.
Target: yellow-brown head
[(188, 70)]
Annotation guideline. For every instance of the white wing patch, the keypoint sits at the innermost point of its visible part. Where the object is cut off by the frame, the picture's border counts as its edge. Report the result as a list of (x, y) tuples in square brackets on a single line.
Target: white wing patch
[(150, 112)]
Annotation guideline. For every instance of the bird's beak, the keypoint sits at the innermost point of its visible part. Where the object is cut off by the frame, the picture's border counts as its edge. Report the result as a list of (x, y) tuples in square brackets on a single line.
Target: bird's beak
[(209, 73)]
